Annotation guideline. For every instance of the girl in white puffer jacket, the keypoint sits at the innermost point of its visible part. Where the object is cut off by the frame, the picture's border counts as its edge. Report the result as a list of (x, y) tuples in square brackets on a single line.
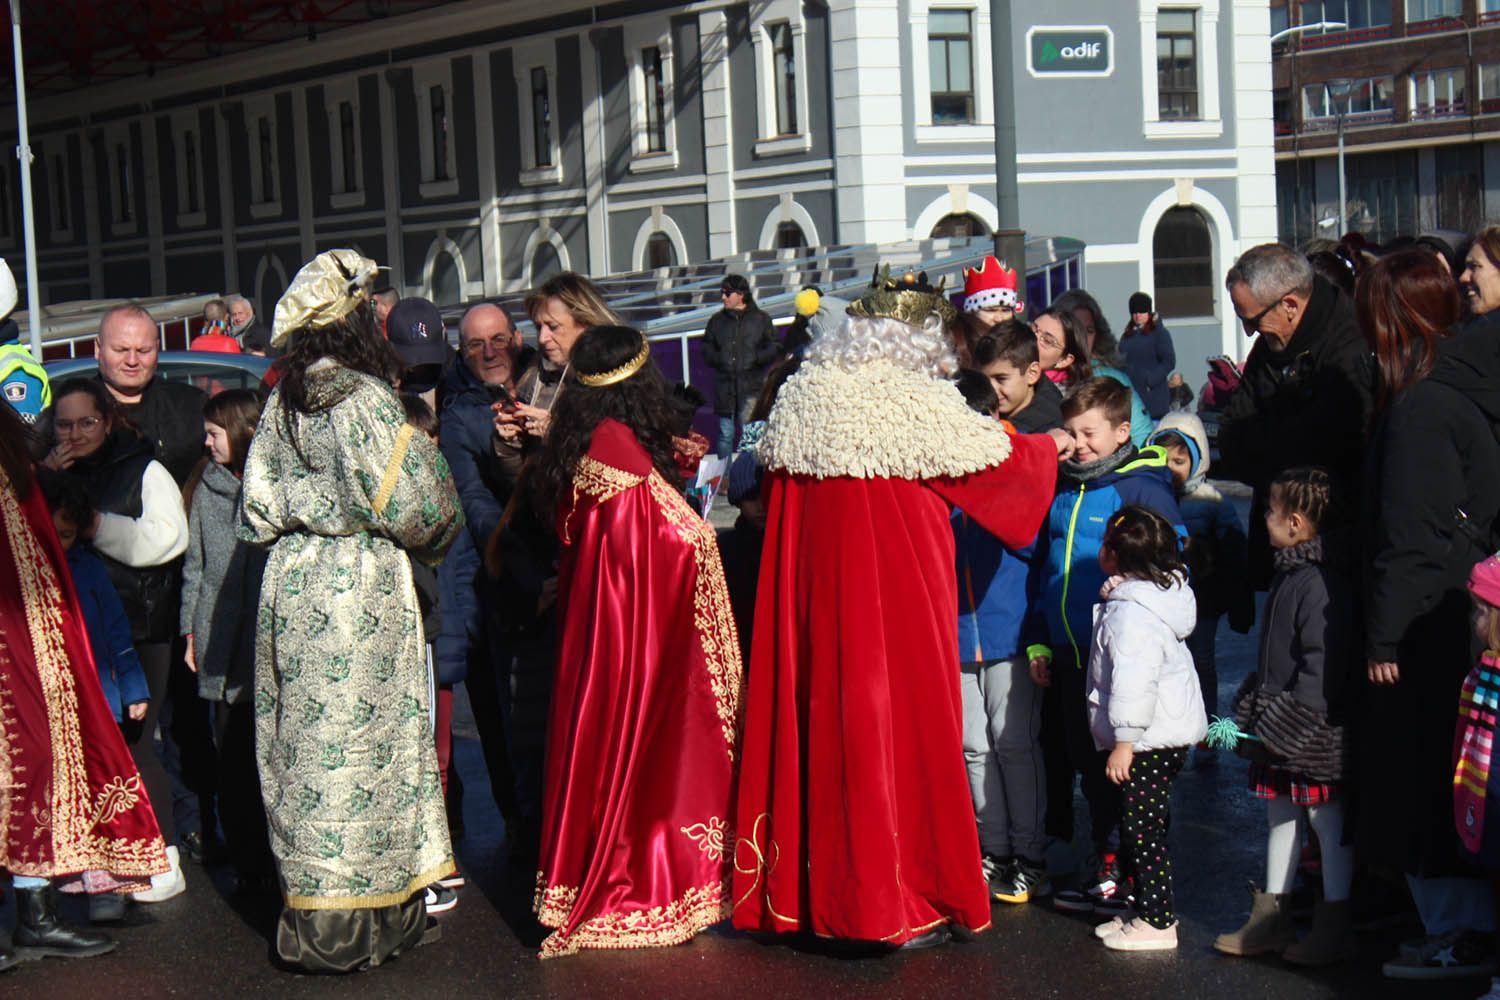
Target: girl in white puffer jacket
[(1145, 707)]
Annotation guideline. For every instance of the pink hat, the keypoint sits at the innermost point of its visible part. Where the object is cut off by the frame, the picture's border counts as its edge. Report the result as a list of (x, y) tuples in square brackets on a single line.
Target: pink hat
[(1484, 580)]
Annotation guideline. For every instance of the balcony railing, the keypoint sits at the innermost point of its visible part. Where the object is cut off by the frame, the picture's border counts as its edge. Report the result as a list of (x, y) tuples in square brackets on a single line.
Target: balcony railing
[(1435, 25), (1454, 109), (1353, 37), (1359, 119), (1489, 17)]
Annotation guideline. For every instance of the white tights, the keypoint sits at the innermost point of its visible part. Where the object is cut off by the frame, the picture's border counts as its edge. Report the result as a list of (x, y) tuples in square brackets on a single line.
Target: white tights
[(1284, 838)]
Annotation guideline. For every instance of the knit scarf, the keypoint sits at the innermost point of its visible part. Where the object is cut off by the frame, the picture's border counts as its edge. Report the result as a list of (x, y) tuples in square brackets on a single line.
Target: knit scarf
[(1083, 472), (1301, 554)]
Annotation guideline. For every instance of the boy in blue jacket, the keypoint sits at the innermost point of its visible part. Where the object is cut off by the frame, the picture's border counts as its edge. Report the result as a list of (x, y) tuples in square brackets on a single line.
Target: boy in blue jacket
[(997, 620), (1107, 472)]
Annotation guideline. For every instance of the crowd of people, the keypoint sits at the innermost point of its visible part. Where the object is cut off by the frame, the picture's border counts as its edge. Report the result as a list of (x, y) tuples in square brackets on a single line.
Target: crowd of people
[(240, 618)]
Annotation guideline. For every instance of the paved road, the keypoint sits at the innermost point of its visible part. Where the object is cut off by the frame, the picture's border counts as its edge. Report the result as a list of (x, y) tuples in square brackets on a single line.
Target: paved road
[(199, 945)]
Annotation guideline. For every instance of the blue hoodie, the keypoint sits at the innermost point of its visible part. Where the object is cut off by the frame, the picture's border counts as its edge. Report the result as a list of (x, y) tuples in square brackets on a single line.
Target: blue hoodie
[(108, 627), (997, 595), (1073, 533)]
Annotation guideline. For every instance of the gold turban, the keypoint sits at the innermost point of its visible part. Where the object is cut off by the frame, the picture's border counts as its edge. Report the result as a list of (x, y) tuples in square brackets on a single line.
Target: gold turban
[(327, 289)]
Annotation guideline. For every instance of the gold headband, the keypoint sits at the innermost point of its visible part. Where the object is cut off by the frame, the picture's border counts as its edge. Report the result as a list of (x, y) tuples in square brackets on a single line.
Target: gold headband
[(621, 373)]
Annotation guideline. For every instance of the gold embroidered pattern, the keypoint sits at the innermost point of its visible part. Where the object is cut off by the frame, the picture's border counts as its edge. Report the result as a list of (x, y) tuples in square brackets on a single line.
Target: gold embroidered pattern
[(709, 837), (713, 617), (658, 927), (117, 796), (392, 469), (600, 481), (76, 844), (765, 858), (553, 903)]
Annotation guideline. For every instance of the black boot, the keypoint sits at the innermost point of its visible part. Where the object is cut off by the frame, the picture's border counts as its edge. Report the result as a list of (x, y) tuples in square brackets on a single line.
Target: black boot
[(8, 957), (40, 934)]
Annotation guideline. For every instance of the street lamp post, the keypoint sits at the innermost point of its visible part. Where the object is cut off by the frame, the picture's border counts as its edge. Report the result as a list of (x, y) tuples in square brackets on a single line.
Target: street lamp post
[(1338, 92), (1010, 238)]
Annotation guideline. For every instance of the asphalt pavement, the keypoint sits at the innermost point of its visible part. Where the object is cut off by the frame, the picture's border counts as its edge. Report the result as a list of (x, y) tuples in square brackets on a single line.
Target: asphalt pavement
[(203, 945)]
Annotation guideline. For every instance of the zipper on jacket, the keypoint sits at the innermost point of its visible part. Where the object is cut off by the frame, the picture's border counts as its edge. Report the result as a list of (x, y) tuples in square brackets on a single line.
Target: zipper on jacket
[(1068, 571)]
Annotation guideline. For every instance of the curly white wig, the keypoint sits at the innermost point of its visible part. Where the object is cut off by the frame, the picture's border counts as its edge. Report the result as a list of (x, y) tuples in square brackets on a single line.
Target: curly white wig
[(858, 340)]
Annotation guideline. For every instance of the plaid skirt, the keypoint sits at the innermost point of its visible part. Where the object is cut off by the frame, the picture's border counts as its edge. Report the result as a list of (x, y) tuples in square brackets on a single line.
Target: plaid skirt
[(1268, 782)]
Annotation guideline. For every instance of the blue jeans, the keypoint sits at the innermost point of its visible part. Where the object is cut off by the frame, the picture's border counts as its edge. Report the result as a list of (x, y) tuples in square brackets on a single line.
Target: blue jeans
[(727, 435)]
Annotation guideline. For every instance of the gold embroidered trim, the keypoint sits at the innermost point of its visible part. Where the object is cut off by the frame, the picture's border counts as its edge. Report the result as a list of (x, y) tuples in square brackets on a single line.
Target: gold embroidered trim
[(709, 837), (392, 469), (713, 618), (396, 898), (766, 858), (658, 927), (600, 481)]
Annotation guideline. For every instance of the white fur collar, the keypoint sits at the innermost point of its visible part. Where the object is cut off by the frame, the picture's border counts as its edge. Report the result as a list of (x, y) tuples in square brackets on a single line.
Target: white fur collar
[(877, 421)]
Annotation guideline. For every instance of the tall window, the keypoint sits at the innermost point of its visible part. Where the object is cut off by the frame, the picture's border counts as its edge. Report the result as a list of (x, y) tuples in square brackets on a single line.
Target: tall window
[(1182, 253), (1177, 64), (437, 106), (1438, 93), (660, 252), (1430, 10), (190, 161), (62, 220), (347, 145), (267, 148), (1365, 97), (541, 117), (789, 236), (125, 207), (950, 48), (656, 101), (1489, 86), (784, 75)]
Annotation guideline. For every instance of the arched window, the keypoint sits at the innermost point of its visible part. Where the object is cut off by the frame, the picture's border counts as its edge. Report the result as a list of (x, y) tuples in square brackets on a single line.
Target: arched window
[(789, 236), (960, 226), (660, 252), (545, 263), (447, 289), (1182, 251), (269, 287)]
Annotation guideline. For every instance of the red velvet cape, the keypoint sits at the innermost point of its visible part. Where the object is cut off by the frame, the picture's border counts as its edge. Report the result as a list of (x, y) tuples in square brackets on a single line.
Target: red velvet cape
[(645, 714), (854, 814), (72, 805)]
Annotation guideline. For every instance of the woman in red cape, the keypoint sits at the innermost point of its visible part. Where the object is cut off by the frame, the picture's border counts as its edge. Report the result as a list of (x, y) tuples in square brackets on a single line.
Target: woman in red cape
[(73, 811), (854, 814), (645, 705)]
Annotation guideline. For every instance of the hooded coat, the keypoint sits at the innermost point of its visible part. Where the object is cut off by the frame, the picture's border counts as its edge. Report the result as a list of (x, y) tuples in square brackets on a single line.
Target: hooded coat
[(1142, 687), (220, 589), (1432, 475)]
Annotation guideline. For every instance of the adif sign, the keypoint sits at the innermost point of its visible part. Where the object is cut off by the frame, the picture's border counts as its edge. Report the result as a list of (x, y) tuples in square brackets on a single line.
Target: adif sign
[(1069, 50)]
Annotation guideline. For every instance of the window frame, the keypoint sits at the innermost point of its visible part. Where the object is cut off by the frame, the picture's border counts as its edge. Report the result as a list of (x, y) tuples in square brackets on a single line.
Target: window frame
[(117, 138), (1209, 124), (263, 204), (1351, 117), (337, 95), (1172, 37), (435, 74), (1209, 287), (537, 54), (53, 155), (639, 38), (770, 141), (947, 39), (184, 124), (982, 129), (1454, 109)]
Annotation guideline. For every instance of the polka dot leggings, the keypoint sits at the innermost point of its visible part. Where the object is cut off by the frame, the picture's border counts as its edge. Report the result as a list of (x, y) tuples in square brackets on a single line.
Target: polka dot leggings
[(1146, 823)]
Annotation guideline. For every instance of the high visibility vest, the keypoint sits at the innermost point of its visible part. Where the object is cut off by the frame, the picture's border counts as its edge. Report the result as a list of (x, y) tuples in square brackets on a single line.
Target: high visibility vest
[(14, 358)]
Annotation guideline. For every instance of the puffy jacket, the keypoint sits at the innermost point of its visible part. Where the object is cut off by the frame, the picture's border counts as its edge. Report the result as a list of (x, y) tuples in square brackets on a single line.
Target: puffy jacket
[(120, 673), (1149, 359), (738, 346), (997, 595), (1074, 530), (1141, 424), (1142, 687)]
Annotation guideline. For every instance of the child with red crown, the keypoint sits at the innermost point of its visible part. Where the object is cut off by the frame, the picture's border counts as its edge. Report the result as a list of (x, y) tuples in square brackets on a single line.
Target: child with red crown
[(990, 292)]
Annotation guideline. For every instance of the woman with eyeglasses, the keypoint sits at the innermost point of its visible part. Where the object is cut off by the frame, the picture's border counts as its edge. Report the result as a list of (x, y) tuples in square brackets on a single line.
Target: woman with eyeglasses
[(140, 532)]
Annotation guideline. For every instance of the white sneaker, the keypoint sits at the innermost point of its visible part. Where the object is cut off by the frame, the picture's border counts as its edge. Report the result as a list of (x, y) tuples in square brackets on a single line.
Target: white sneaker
[(1141, 936), (166, 885), (1107, 928)]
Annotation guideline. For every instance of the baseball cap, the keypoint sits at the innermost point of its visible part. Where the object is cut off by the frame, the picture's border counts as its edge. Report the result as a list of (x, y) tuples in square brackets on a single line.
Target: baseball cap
[(415, 329)]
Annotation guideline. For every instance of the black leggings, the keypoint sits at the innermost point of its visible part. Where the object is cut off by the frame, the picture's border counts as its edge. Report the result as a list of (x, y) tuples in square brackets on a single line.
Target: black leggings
[(156, 660), (1147, 821)]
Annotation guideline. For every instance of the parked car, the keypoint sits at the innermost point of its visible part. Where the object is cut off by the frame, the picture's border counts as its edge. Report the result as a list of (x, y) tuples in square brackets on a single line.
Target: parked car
[(213, 373)]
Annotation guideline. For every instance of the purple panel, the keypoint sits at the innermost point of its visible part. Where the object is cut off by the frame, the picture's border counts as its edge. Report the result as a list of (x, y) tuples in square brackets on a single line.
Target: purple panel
[(1036, 293)]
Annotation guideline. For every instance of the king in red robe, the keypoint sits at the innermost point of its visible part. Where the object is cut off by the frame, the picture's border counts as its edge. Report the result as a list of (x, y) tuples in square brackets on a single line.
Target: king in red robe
[(854, 816), (645, 713)]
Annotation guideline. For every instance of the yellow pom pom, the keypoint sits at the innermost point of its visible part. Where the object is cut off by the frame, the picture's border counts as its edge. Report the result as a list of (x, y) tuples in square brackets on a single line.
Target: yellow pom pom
[(807, 302)]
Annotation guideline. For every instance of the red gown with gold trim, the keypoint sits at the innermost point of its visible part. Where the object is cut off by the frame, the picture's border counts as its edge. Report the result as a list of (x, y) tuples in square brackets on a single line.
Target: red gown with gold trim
[(645, 714), (72, 805), (854, 814)]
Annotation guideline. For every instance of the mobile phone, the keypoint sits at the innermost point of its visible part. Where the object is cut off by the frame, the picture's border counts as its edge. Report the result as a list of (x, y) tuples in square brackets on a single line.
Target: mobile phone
[(499, 394)]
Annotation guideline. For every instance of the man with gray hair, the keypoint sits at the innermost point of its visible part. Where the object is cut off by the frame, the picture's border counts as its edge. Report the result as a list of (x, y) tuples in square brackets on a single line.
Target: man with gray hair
[(252, 333), (1308, 387)]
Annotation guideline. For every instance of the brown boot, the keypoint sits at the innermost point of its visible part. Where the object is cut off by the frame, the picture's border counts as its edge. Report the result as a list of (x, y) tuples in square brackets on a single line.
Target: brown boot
[(1330, 940), (1268, 929)]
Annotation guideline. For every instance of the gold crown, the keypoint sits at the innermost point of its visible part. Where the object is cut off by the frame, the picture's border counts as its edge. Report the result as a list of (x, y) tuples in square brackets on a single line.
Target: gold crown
[(909, 298), (621, 373)]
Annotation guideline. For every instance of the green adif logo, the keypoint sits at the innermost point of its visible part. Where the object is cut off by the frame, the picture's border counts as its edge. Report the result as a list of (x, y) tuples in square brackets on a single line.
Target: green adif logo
[(1049, 53)]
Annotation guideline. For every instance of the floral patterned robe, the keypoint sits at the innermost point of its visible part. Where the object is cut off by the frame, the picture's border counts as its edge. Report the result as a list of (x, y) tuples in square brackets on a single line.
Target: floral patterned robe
[(347, 763)]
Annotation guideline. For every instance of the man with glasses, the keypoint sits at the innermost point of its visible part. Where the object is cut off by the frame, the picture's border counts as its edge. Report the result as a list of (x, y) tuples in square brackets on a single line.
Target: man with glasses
[(1307, 391), (738, 344)]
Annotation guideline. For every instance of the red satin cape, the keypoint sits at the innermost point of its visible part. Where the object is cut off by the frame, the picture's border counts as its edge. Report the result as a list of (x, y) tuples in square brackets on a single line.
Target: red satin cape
[(72, 804), (645, 711), (854, 814)]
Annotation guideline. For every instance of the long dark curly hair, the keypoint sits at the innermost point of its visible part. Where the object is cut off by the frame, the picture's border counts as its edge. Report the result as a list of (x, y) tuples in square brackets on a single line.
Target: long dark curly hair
[(641, 402)]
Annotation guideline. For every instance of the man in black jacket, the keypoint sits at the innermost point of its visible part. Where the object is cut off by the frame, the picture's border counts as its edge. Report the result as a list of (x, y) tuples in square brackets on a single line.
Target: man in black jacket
[(1308, 387), (738, 344)]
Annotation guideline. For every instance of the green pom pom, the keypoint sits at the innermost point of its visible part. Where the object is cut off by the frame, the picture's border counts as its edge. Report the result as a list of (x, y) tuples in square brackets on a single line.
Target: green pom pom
[(1223, 734)]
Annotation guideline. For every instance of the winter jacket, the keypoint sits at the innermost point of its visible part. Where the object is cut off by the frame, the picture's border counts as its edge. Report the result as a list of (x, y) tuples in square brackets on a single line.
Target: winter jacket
[(142, 532), (120, 673), (1043, 413), (220, 589), (465, 437), (1149, 359), (738, 346), (1308, 654), (1434, 480), (1142, 688), (997, 595), (1074, 530), (1141, 424), (1216, 548), (1308, 404), (170, 416)]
